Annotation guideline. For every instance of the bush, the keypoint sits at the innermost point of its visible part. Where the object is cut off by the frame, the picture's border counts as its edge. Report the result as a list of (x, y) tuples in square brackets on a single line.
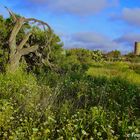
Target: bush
[(77, 107), (20, 101)]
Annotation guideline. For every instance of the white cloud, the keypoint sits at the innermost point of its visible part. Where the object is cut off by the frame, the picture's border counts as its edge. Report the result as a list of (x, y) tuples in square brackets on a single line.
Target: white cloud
[(129, 38), (128, 15), (92, 40), (131, 15), (79, 7)]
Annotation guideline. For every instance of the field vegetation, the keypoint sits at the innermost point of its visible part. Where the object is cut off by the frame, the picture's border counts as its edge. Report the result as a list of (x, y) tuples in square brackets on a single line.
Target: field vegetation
[(74, 94)]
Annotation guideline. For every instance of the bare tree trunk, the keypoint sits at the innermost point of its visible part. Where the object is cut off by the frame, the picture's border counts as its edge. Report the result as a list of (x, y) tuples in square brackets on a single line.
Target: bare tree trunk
[(14, 59), (14, 62), (17, 51)]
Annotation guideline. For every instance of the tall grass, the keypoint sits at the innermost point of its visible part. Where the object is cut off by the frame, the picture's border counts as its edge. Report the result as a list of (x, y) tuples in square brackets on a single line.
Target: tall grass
[(79, 106), (118, 69)]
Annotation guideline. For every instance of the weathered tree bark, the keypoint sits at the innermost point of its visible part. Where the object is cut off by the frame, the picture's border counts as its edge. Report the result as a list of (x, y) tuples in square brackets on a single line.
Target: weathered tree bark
[(14, 62), (17, 51)]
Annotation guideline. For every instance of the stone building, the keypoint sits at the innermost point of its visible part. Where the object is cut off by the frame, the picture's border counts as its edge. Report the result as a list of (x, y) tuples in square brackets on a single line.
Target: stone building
[(137, 48)]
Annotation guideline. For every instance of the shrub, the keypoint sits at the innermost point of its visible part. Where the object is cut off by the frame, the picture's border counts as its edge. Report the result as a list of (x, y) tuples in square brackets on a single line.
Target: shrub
[(77, 107)]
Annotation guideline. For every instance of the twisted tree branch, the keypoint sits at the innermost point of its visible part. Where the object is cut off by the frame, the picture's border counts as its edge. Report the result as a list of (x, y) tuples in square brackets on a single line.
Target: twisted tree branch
[(17, 51), (39, 21), (11, 14), (24, 41), (26, 51)]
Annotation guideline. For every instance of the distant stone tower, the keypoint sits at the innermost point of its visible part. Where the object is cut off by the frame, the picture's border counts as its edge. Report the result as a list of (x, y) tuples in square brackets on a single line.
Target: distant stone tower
[(137, 48)]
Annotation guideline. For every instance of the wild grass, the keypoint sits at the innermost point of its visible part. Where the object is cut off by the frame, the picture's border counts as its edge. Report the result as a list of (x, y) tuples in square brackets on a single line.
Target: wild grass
[(99, 105), (115, 69)]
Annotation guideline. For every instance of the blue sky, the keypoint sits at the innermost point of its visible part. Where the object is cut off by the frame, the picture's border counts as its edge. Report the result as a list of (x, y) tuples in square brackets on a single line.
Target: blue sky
[(93, 24)]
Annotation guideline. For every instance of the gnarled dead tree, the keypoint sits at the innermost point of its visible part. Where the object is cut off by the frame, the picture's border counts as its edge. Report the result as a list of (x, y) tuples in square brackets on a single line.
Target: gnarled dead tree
[(17, 50)]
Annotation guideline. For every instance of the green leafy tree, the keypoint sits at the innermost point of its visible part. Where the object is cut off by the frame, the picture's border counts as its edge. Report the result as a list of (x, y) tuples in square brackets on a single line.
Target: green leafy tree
[(4, 32), (113, 55), (22, 41)]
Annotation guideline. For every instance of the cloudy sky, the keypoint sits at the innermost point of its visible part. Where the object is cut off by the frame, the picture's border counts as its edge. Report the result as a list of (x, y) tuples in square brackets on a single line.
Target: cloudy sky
[(94, 24)]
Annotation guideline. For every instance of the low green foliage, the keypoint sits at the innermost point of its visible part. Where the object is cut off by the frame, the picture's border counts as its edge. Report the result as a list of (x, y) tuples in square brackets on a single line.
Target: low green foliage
[(117, 69), (78, 106), (80, 96)]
